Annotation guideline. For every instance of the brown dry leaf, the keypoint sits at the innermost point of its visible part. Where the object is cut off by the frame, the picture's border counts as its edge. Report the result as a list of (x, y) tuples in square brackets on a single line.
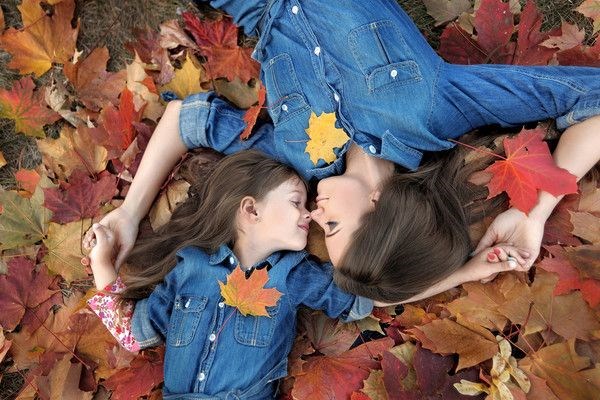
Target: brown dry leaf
[(44, 39), (586, 259), (63, 381), (571, 36), (239, 93), (94, 85), (586, 226), (328, 336), (590, 197), (172, 35), (163, 208), (187, 79), (72, 150), (2, 160), (445, 336), (446, 10), (1, 20), (591, 9), (4, 345), (64, 249), (562, 369), (59, 99), (143, 89), (374, 387), (324, 137)]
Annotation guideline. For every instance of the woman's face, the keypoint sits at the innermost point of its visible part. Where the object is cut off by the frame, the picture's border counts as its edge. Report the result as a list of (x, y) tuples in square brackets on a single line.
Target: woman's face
[(341, 202)]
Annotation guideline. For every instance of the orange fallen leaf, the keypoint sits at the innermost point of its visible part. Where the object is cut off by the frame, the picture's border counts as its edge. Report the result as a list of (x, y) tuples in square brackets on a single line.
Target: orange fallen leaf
[(249, 296)]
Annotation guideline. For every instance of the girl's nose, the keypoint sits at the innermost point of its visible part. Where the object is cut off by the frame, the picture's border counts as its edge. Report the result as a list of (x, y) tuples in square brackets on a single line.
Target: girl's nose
[(306, 215)]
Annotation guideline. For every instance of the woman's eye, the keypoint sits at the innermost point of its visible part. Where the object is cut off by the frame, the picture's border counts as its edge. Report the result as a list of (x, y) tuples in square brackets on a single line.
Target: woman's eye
[(296, 204), (331, 225)]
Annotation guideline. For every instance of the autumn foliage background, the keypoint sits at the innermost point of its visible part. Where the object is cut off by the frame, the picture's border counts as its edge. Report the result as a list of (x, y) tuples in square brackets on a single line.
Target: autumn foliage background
[(83, 86)]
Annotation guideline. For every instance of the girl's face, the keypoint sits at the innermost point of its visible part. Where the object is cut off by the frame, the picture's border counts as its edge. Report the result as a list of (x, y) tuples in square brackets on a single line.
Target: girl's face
[(284, 218), (341, 202)]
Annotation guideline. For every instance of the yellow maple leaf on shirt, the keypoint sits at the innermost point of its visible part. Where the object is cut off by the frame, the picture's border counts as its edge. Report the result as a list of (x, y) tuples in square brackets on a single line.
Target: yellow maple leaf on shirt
[(324, 137)]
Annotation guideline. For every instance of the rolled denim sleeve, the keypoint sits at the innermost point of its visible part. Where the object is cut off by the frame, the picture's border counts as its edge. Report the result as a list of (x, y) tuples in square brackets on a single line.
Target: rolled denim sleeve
[(208, 121), (587, 107), (152, 315), (311, 284)]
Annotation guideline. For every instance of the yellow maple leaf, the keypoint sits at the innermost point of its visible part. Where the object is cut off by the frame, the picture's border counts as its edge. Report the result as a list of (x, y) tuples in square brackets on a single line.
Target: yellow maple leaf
[(187, 79), (323, 137)]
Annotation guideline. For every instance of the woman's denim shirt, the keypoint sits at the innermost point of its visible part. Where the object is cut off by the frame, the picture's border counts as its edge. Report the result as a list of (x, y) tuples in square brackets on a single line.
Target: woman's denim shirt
[(392, 94), (212, 351)]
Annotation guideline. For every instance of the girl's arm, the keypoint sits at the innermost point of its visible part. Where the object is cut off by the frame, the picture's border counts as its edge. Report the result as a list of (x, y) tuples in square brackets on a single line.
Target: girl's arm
[(164, 149), (578, 151)]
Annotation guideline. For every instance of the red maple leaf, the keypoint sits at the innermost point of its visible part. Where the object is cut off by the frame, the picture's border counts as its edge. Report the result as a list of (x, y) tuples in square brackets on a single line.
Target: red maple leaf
[(145, 372), (581, 55), (79, 198), (529, 51), (527, 168), (458, 47), (569, 277), (252, 113), (337, 377), (218, 42), (24, 290), (494, 25), (118, 123)]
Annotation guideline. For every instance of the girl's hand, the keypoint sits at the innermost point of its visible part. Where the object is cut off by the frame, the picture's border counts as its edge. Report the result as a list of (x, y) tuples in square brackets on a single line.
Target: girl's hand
[(123, 227), (101, 256), (514, 226), (485, 265)]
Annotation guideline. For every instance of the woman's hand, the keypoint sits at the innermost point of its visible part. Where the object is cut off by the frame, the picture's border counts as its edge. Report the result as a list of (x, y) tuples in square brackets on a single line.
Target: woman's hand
[(514, 226), (101, 256), (124, 228), (486, 264)]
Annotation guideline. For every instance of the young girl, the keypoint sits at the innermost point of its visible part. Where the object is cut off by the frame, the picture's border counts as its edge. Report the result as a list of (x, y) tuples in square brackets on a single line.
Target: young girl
[(250, 214)]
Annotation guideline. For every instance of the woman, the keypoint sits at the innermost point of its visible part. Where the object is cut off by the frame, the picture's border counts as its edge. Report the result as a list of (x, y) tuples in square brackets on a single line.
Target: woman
[(395, 98)]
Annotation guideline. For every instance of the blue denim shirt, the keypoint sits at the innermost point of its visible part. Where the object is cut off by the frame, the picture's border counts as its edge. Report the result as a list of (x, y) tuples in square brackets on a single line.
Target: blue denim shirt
[(213, 351), (392, 94)]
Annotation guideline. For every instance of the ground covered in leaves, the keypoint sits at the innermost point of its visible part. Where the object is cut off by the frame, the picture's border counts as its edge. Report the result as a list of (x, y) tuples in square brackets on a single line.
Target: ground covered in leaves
[(82, 86)]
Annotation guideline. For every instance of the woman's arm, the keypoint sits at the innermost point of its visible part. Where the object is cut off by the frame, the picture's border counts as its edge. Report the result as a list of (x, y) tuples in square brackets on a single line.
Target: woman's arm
[(578, 151)]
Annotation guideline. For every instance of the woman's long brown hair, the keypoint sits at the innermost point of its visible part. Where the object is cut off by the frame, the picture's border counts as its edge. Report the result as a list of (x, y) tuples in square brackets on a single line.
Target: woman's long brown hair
[(207, 219)]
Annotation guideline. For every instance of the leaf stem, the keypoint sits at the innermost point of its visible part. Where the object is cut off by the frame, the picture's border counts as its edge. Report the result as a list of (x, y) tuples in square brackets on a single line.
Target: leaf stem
[(490, 153)]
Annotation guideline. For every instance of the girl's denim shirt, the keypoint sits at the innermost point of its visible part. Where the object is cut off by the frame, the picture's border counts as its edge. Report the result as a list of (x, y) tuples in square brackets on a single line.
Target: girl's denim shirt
[(392, 94), (213, 351)]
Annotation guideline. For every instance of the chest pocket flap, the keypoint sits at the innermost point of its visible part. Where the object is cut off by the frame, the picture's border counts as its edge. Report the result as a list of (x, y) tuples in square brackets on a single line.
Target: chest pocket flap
[(256, 331), (185, 319)]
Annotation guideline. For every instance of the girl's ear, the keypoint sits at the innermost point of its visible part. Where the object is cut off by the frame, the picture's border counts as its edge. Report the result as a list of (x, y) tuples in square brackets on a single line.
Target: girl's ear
[(248, 209)]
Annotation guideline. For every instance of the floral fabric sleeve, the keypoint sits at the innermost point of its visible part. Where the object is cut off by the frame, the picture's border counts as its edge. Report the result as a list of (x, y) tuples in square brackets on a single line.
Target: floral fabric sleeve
[(117, 319)]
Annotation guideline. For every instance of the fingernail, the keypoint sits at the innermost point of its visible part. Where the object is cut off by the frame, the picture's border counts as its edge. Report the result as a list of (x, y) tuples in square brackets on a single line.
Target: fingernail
[(497, 250), (491, 257), (512, 264)]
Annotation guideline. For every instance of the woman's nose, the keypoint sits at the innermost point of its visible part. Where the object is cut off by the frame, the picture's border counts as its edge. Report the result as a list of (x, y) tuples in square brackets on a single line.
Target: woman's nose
[(316, 214)]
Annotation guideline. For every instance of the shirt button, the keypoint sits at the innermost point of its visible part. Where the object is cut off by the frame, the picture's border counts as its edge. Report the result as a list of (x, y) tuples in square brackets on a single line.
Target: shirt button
[(317, 50), (295, 9), (202, 376), (231, 260), (336, 97), (212, 337), (221, 304), (372, 149), (284, 107), (393, 73)]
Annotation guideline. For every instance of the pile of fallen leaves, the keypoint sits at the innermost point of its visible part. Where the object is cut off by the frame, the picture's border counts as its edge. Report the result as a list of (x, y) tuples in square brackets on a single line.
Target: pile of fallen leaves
[(522, 336)]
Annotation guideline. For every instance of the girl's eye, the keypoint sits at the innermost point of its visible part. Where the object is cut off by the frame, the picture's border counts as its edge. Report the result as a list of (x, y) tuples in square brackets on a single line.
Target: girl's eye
[(331, 225)]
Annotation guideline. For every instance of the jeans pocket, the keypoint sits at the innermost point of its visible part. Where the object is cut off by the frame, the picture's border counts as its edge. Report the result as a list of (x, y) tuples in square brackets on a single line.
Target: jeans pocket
[(185, 318), (284, 96), (256, 331), (383, 56)]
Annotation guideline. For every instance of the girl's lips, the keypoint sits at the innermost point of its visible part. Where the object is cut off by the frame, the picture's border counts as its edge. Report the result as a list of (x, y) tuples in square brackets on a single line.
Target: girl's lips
[(303, 227)]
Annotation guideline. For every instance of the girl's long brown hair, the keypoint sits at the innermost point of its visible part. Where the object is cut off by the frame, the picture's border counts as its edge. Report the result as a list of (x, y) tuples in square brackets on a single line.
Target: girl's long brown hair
[(207, 219)]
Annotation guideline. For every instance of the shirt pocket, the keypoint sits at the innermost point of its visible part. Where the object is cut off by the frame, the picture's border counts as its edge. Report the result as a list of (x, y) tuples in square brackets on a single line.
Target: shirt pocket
[(383, 56), (256, 331), (284, 95), (185, 319)]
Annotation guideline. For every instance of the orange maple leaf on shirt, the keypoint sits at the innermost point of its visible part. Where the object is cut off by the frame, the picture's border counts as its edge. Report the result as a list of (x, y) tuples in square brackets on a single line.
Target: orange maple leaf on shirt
[(249, 296), (527, 168)]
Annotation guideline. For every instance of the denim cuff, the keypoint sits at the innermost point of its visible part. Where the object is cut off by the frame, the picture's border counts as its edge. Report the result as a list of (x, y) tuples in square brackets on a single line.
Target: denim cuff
[(361, 308), (141, 326), (587, 107), (193, 118)]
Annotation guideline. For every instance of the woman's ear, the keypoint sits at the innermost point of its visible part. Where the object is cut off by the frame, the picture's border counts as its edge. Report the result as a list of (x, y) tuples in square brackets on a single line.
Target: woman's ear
[(374, 196), (248, 209)]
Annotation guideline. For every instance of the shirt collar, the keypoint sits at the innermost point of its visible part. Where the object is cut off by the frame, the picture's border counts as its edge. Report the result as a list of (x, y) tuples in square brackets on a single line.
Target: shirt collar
[(224, 254)]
